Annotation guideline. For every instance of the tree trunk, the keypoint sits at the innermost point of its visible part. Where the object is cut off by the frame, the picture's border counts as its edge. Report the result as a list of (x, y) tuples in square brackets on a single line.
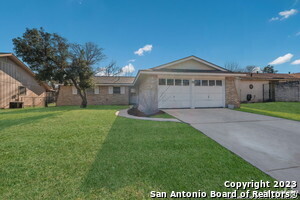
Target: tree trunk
[(84, 100), (81, 93)]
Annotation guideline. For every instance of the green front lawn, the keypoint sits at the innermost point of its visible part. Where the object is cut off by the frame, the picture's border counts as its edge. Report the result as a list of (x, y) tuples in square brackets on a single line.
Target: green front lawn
[(73, 153), (287, 110)]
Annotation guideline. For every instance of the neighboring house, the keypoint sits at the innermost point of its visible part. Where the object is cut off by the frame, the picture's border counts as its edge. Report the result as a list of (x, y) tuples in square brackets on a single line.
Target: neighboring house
[(18, 86), (296, 75), (261, 87), (108, 90), (186, 83)]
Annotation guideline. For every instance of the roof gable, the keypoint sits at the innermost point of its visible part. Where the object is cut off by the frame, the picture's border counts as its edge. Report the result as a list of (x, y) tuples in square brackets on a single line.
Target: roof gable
[(18, 62), (189, 63)]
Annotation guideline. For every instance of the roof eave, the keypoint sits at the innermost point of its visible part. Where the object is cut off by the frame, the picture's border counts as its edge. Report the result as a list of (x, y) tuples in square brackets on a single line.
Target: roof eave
[(188, 58), (193, 73), (187, 73)]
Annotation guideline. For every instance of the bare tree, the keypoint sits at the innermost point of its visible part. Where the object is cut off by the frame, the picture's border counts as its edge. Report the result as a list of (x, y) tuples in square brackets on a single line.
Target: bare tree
[(80, 70), (149, 97), (110, 70), (253, 69), (90, 52), (250, 68), (234, 67)]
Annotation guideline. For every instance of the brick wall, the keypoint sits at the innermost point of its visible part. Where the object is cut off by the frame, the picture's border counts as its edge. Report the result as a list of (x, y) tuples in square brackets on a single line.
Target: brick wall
[(66, 98), (289, 91), (231, 94)]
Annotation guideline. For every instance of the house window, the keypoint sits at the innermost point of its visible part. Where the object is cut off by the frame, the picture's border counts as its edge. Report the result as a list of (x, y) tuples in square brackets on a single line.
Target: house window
[(185, 82), (162, 81), (178, 82), (22, 90), (89, 91), (211, 82), (74, 90), (116, 90), (204, 82), (218, 82), (197, 82), (170, 81), (96, 90)]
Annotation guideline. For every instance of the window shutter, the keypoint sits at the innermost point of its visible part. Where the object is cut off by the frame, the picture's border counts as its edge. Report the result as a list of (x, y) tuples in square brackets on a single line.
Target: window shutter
[(96, 90), (110, 90), (74, 90), (122, 90)]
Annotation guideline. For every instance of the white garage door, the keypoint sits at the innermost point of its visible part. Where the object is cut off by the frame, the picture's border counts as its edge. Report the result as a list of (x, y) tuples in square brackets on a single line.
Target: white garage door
[(208, 93), (174, 93), (184, 93)]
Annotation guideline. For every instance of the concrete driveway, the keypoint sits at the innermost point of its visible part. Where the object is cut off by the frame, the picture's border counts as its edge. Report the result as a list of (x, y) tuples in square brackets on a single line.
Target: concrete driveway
[(271, 144)]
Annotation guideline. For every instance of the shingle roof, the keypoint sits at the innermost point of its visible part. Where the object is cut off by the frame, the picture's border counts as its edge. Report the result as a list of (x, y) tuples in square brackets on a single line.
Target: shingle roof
[(296, 75), (268, 76), (113, 80)]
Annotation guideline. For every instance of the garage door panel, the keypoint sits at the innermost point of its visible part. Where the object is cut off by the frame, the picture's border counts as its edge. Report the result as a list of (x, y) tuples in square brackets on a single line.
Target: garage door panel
[(208, 96), (215, 96), (172, 96), (172, 103), (207, 104)]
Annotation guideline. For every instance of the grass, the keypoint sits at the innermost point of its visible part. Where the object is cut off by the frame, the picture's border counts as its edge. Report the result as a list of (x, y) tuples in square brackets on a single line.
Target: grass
[(73, 153), (162, 115), (287, 110), (51, 104)]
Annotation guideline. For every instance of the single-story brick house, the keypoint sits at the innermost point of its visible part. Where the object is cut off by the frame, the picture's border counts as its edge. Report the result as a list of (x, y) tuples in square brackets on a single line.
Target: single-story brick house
[(108, 90), (190, 82), (18, 86), (186, 83)]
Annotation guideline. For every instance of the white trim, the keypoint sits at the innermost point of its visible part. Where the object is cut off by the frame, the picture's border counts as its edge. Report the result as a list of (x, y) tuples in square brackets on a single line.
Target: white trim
[(224, 93), (190, 73), (189, 58), (191, 99), (96, 90), (110, 90), (122, 90), (192, 93), (74, 90)]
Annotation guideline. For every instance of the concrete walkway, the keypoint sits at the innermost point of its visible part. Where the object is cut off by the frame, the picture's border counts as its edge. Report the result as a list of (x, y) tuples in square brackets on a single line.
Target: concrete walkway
[(271, 144), (124, 113)]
